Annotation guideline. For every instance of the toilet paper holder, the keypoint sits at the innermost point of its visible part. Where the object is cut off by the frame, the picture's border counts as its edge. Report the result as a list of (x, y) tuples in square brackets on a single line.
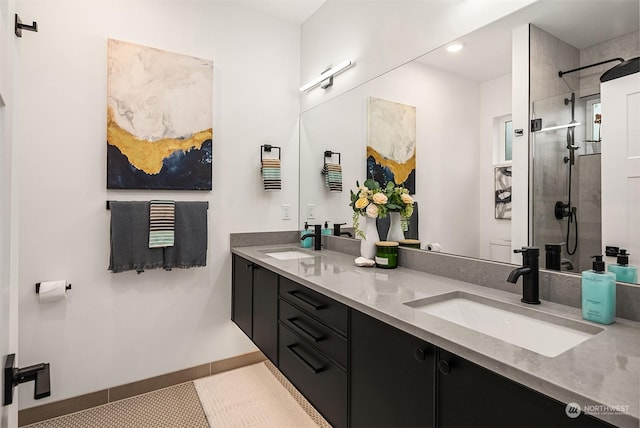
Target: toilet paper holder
[(68, 287)]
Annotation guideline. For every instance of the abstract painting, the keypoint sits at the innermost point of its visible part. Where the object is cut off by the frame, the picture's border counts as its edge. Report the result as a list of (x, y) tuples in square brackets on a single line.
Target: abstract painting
[(502, 176), (391, 146), (159, 121)]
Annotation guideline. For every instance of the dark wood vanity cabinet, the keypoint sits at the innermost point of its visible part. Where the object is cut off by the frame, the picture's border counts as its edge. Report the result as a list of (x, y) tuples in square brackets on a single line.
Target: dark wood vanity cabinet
[(392, 376), (362, 372), (255, 304), (472, 396)]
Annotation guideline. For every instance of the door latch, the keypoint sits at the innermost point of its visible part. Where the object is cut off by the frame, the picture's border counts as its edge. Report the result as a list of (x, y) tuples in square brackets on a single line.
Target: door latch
[(14, 376)]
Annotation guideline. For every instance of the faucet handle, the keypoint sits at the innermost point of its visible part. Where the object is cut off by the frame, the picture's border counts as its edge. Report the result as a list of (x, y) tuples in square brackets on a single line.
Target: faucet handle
[(532, 250), (530, 255)]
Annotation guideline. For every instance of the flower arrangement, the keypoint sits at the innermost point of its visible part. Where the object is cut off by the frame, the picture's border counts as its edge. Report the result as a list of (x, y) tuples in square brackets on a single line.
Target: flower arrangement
[(374, 201)]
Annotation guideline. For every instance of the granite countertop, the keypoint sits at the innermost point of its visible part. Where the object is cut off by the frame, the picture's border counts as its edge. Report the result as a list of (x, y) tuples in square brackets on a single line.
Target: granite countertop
[(602, 371)]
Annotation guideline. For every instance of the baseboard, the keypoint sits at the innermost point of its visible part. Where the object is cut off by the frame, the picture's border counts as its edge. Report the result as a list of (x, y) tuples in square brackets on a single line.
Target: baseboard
[(98, 398)]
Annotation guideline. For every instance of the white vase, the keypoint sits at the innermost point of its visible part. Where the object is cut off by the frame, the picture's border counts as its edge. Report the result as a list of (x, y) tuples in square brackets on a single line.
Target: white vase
[(368, 243), (395, 227)]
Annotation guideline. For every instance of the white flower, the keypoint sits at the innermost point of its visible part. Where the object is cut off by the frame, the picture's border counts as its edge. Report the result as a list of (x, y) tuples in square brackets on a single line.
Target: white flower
[(372, 211)]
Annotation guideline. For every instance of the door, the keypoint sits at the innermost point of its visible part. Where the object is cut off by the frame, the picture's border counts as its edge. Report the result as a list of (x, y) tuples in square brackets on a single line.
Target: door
[(621, 164), (392, 376), (265, 312), (242, 294), (8, 263)]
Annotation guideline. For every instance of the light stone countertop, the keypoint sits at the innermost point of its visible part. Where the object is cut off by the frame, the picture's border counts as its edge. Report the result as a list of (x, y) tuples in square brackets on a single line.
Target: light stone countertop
[(602, 371)]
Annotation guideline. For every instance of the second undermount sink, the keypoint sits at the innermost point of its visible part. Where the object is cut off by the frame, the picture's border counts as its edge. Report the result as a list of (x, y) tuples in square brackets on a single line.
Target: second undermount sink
[(288, 253), (540, 332)]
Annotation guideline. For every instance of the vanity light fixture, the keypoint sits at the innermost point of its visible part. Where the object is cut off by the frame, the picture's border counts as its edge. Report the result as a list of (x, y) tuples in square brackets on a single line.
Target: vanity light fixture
[(326, 76), (455, 47)]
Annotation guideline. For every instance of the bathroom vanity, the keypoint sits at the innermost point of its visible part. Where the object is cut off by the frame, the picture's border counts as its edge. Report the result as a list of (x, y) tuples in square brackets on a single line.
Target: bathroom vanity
[(364, 346)]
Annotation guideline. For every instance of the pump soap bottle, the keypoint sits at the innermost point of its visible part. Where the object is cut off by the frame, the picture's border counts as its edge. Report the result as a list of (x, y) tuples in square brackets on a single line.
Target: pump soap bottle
[(325, 230), (598, 294), (622, 270), (306, 242)]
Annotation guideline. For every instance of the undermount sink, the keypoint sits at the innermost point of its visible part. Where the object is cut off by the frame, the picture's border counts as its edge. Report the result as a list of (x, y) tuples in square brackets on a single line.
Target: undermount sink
[(288, 253), (536, 331)]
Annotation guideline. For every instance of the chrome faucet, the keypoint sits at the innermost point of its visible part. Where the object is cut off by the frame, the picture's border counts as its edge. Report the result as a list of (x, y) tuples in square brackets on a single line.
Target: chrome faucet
[(529, 272), (316, 235)]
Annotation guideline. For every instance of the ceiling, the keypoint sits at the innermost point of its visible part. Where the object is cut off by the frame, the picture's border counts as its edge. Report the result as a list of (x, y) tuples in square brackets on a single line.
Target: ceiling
[(580, 23), (293, 11)]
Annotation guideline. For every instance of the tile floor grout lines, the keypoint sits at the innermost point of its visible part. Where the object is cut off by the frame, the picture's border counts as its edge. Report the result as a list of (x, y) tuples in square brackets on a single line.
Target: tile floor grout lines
[(257, 395)]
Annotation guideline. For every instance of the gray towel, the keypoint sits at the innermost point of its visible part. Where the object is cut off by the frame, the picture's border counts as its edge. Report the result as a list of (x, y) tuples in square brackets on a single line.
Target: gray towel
[(190, 248), (130, 238)]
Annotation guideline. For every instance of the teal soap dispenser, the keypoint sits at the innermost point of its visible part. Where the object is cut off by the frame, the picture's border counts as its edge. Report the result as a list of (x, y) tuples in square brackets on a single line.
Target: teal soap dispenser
[(622, 270), (306, 242), (325, 229), (598, 294)]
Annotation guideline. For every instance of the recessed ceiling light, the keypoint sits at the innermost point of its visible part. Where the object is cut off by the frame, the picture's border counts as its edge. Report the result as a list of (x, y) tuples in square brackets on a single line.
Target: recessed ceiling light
[(455, 47)]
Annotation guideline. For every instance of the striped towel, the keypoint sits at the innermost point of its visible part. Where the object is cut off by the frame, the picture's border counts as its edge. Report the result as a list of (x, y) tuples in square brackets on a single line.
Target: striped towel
[(333, 176), (162, 216), (271, 174)]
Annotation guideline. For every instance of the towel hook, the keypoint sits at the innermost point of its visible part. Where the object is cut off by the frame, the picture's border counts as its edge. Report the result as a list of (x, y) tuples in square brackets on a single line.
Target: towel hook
[(267, 148), (19, 26)]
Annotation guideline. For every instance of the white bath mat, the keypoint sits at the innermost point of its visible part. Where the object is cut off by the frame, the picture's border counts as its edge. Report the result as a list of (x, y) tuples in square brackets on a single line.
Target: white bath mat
[(250, 397)]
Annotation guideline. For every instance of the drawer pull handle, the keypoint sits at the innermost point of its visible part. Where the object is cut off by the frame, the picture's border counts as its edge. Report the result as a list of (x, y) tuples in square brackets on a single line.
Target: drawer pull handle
[(305, 300), (299, 327), (307, 364)]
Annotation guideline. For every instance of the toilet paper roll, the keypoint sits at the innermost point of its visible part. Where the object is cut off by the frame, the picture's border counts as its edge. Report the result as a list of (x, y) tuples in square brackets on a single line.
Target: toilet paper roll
[(52, 291), (434, 246)]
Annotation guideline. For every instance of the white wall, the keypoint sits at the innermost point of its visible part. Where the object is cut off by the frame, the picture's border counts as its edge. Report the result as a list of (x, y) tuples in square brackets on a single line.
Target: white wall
[(495, 101), (447, 125), (118, 328), (381, 35)]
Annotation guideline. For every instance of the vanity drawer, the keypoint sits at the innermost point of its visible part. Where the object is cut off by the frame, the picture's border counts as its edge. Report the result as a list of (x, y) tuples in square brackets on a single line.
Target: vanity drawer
[(321, 382), (315, 333), (327, 310)]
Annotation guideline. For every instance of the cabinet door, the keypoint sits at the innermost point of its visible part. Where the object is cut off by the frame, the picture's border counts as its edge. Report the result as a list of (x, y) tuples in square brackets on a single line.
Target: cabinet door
[(265, 312), (241, 294), (392, 376), (472, 396)]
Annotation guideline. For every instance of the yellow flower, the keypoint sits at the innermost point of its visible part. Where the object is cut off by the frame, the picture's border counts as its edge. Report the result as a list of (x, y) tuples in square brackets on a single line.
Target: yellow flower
[(407, 199), (361, 203), (379, 198)]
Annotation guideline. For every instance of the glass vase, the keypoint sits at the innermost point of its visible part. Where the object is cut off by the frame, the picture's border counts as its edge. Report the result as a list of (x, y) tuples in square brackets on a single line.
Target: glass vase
[(368, 243), (395, 227)]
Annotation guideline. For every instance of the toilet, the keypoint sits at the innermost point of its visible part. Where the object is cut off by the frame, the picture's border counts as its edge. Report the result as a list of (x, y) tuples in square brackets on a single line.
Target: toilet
[(500, 250)]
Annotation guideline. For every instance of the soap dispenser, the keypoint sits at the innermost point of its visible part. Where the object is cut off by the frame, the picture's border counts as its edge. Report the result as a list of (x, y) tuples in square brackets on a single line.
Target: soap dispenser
[(306, 242), (325, 229), (622, 270), (598, 294)]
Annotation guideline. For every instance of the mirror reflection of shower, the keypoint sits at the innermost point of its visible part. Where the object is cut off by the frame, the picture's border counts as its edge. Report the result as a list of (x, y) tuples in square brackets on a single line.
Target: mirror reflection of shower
[(566, 182)]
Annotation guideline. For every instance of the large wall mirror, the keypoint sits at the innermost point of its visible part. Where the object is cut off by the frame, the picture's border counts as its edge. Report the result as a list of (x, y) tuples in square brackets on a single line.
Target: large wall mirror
[(463, 105)]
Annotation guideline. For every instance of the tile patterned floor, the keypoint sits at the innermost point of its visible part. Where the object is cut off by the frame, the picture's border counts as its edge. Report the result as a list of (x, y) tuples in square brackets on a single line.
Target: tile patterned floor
[(174, 407), (178, 406)]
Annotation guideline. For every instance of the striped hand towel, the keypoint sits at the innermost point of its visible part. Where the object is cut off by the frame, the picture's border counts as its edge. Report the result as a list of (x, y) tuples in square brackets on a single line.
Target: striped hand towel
[(271, 174), (162, 216), (333, 176)]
